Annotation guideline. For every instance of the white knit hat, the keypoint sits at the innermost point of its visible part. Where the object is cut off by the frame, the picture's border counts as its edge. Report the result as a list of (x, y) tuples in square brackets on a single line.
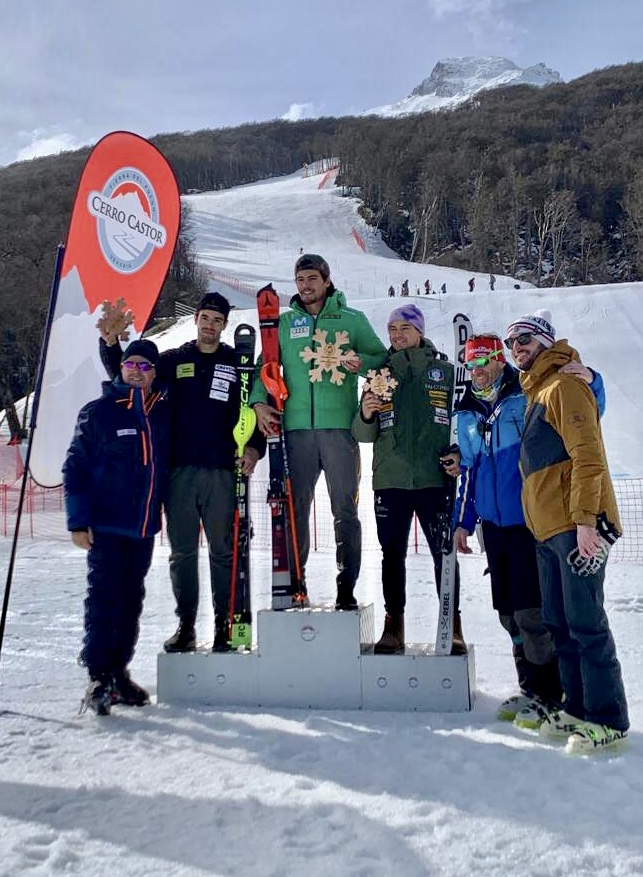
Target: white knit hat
[(537, 324)]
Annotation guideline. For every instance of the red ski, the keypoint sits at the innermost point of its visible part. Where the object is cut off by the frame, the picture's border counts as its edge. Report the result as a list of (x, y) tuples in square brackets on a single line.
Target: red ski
[(288, 588)]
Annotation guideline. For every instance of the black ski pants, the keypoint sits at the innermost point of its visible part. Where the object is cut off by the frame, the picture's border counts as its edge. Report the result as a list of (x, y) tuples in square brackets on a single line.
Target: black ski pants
[(116, 570), (200, 495), (515, 591), (394, 510)]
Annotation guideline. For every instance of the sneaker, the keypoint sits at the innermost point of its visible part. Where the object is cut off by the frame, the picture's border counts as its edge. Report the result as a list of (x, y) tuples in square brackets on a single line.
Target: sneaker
[(128, 692), (98, 697), (182, 640), (509, 708), (591, 737), (558, 724)]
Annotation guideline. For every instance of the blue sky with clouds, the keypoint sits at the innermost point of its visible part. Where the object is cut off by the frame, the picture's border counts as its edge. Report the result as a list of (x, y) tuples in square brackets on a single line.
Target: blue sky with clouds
[(70, 72)]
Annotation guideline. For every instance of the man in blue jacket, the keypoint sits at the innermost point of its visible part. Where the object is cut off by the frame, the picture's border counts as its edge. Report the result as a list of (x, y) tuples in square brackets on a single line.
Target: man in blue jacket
[(490, 421), (203, 397), (115, 478)]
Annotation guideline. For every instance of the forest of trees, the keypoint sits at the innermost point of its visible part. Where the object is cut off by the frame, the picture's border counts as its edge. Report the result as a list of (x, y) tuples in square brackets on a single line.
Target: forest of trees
[(541, 184)]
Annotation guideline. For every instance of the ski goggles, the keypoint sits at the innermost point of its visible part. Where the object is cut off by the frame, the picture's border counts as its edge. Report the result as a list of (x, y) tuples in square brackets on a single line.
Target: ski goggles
[(481, 361), (141, 366), (522, 339)]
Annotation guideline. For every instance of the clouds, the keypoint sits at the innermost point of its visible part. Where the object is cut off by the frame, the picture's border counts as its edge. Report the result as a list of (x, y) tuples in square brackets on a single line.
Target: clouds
[(71, 72)]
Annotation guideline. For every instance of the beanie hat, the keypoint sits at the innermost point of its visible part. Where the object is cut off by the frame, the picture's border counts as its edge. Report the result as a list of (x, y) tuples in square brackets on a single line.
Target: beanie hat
[(142, 347), (484, 345), (537, 324), (410, 314), (214, 301), (313, 262)]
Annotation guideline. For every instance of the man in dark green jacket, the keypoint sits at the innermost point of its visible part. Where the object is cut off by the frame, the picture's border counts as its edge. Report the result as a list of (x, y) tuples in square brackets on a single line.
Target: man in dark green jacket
[(322, 398), (409, 433)]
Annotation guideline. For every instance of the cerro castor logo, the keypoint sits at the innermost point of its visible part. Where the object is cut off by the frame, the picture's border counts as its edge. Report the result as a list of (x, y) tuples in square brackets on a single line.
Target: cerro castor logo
[(127, 214)]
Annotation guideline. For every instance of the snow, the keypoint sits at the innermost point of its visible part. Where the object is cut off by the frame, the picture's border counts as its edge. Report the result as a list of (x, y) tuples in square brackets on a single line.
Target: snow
[(455, 80), (286, 793)]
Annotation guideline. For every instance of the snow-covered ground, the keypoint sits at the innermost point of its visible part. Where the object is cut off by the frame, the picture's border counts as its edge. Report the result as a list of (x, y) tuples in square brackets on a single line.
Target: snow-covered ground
[(255, 793)]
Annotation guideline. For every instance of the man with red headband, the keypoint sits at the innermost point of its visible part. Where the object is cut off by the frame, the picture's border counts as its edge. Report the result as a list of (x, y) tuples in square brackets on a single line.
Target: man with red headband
[(490, 421)]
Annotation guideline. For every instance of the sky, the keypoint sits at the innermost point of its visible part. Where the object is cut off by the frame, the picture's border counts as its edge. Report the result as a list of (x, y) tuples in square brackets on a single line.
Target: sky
[(197, 791), (71, 72)]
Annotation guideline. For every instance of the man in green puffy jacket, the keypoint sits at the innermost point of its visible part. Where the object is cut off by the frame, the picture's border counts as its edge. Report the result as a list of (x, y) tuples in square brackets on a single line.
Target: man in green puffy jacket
[(322, 399), (409, 432)]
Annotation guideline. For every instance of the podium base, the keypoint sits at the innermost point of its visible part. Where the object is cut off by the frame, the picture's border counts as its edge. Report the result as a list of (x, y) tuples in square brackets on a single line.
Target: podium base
[(318, 658)]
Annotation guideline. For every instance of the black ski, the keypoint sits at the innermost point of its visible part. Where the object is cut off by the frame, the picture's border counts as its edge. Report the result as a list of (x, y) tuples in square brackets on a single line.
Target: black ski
[(240, 597)]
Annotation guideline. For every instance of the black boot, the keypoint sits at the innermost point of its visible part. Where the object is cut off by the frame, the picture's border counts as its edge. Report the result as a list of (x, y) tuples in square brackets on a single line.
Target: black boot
[(345, 600), (221, 636), (459, 647), (183, 639), (98, 696), (126, 691), (392, 640)]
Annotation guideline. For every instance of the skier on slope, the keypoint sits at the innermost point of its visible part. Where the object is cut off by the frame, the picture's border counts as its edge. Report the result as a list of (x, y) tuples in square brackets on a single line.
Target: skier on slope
[(318, 415), (115, 479), (408, 432), (203, 397), (490, 421)]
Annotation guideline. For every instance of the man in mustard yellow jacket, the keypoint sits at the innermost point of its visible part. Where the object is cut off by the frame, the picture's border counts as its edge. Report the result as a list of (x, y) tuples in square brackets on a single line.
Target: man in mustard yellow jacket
[(571, 509)]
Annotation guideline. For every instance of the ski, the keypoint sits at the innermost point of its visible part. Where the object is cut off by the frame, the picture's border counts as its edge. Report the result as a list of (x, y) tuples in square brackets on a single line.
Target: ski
[(288, 588), (462, 330), (240, 598)]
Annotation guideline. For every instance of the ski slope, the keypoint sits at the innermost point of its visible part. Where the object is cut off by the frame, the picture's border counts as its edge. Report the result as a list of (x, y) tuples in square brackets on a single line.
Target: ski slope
[(289, 793), (253, 234)]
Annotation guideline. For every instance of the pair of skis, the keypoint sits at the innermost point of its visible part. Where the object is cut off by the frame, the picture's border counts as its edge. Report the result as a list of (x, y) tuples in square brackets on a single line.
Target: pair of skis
[(288, 588), (240, 598), (462, 330)]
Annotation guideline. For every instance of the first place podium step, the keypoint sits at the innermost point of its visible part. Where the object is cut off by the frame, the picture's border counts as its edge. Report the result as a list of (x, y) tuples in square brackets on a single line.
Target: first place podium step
[(318, 658)]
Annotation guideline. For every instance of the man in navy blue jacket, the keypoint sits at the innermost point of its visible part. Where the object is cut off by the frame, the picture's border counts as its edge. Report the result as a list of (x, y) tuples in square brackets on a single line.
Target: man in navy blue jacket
[(115, 479), (203, 396)]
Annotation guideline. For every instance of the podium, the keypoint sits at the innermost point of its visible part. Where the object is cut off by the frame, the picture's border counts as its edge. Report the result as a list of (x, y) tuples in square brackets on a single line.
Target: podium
[(318, 658)]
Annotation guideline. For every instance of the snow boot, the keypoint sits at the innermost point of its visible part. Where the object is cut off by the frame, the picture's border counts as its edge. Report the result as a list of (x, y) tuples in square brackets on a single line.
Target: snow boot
[(221, 636), (509, 708), (392, 640), (345, 601), (98, 696), (591, 737), (533, 714), (183, 639), (558, 723), (458, 647), (128, 692)]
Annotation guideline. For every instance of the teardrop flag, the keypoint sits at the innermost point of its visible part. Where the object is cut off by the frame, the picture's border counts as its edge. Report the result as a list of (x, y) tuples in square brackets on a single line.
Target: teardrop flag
[(122, 234)]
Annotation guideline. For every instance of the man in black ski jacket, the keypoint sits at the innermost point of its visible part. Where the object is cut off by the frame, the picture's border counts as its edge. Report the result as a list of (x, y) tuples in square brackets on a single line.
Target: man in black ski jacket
[(203, 397)]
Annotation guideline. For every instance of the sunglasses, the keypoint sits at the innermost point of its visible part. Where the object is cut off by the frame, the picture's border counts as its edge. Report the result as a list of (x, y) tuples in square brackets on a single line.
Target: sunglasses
[(522, 339), (141, 366), (481, 361)]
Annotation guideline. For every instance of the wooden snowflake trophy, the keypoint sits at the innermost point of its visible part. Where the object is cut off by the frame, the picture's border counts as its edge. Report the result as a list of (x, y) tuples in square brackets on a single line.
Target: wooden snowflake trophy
[(380, 383)]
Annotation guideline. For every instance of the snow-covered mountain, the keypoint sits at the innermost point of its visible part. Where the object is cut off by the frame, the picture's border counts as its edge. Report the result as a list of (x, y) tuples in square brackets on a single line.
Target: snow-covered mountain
[(455, 80)]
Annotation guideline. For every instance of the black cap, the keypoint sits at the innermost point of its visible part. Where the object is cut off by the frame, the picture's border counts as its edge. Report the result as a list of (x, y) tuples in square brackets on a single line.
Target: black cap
[(142, 347), (313, 262), (214, 301)]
